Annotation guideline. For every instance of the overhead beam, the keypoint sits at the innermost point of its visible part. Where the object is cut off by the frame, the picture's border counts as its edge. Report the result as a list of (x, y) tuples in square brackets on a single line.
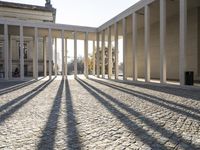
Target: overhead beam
[(46, 25), (125, 13)]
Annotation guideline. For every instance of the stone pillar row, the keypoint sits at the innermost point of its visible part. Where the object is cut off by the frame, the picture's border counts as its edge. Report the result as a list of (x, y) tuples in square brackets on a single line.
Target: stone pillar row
[(48, 51), (163, 70)]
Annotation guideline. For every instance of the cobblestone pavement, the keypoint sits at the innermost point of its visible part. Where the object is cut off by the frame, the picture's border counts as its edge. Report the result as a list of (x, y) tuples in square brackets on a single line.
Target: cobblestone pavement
[(98, 114)]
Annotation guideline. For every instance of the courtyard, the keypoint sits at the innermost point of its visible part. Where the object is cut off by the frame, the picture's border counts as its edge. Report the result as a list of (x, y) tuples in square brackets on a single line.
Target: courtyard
[(97, 114)]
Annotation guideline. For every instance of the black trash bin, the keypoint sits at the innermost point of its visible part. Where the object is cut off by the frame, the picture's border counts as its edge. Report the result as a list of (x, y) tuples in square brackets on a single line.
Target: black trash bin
[(189, 78)]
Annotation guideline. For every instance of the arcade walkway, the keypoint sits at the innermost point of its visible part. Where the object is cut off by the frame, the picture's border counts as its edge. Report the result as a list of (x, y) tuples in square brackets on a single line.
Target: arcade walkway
[(98, 114)]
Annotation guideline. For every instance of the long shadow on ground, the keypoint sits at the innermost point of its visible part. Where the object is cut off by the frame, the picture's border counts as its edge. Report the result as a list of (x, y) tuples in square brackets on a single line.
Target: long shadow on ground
[(139, 131), (132, 126), (73, 141), (48, 135), (7, 87), (20, 98), (179, 108), (19, 102), (10, 86), (187, 93)]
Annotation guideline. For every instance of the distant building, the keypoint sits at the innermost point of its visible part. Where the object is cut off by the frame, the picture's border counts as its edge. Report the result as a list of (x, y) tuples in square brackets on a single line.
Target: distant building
[(29, 13)]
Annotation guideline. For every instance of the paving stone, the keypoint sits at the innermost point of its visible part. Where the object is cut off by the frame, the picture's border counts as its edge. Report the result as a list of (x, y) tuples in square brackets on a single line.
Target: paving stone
[(98, 114)]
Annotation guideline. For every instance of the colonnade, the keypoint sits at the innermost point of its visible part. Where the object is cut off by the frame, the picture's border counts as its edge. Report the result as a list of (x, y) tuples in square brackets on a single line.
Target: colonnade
[(96, 52), (48, 51), (147, 27)]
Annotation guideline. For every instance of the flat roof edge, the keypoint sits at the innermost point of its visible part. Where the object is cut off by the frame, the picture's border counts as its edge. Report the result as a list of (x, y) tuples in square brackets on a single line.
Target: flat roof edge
[(125, 13), (47, 25)]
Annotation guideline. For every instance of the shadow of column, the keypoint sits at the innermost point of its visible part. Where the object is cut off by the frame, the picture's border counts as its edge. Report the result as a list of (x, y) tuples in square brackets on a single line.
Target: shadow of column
[(19, 102), (47, 140), (176, 107), (10, 86), (73, 141), (192, 94), (145, 137)]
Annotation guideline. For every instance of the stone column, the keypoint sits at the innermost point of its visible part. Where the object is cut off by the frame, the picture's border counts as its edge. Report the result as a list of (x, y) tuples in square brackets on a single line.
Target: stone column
[(75, 55), (94, 59), (124, 48), (66, 57), (183, 40), (86, 55), (21, 53), (63, 53), (10, 58), (116, 51), (134, 45), (109, 54), (36, 47), (45, 55), (6, 51), (103, 54), (147, 43), (55, 55), (163, 41), (50, 53), (98, 55)]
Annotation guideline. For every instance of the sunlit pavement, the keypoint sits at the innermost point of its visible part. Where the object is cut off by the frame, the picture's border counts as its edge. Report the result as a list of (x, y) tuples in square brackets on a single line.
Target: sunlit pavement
[(97, 114)]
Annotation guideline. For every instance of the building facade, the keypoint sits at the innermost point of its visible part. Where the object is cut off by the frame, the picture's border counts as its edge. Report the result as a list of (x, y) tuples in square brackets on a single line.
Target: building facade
[(28, 13), (161, 41)]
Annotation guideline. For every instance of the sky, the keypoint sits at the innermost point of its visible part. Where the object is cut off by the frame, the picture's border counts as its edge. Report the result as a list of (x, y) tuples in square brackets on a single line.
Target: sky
[(91, 13)]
